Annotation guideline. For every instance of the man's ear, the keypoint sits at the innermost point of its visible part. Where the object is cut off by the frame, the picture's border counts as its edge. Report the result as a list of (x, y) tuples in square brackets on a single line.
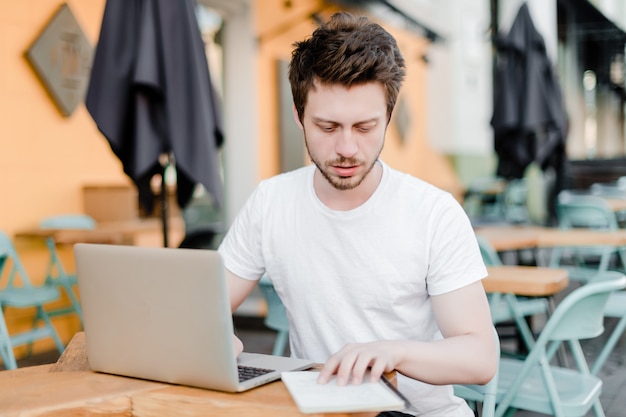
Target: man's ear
[(296, 118)]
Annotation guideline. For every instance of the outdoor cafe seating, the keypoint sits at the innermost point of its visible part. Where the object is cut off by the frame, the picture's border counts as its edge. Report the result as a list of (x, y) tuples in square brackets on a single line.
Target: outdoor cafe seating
[(509, 307), (496, 200), (534, 384), (576, 211), (56, 273), (18, 292), (589, 242)]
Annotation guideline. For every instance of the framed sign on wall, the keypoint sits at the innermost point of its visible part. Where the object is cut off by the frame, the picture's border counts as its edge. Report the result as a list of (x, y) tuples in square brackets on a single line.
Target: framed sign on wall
[(61, 56)]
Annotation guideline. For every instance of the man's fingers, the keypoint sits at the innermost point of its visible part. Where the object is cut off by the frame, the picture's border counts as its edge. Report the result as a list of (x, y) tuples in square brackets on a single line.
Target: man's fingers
[(351, 364), (329, 368), (238, 345), (377, 370), (361, 366)]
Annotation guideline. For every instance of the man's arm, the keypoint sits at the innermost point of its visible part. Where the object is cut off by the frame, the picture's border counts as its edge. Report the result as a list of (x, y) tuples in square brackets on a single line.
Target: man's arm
[(238, 289), (466, 354)]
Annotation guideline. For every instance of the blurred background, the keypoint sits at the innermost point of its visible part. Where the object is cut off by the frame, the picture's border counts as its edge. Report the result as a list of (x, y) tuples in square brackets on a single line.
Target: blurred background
[(454, 126)]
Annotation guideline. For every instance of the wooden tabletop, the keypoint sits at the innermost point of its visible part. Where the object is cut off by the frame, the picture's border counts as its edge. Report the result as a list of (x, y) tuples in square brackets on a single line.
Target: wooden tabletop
[(70, 389), (580, 237), (114, 232), (616, 204), (531, 281), (505, 238)]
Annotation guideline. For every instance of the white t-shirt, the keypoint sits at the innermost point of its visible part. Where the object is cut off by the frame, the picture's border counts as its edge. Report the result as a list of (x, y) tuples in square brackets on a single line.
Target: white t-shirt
[(360, 275)]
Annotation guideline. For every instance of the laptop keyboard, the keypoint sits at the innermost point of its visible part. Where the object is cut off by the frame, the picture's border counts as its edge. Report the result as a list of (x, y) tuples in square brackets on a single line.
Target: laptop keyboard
[(248, 372)]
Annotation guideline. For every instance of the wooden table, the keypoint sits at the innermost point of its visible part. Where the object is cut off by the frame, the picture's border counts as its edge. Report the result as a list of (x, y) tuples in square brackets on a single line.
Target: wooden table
[(510, 238), (530, 281), (552, 237), (616, 204), (139, 232), (504, 238), (70, 389)]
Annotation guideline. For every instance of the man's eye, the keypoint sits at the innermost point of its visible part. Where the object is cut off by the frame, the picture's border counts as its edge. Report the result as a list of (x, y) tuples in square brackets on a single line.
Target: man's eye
[(327, 128)]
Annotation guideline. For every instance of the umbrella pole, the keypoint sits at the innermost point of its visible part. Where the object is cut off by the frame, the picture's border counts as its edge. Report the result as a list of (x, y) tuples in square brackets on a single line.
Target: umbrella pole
[(165, 162)]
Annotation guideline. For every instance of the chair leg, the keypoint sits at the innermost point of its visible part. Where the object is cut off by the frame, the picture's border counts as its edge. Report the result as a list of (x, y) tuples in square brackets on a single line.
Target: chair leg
[(6, 350), (523, 327), (61, 280), (280, 344), (509, 412), (41, 314), (75, 303), (473, 405), (597, 409), (45, 317), (609, 345), (76, 308), (8, 358)]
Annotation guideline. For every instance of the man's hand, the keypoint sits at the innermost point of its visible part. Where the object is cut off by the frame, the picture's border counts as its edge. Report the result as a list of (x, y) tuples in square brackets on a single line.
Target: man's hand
[(238, 345), (352, 362)]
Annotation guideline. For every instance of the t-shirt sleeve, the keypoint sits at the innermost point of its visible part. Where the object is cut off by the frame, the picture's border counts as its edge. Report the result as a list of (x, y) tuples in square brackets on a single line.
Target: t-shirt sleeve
[(454, 260), (241, 247)]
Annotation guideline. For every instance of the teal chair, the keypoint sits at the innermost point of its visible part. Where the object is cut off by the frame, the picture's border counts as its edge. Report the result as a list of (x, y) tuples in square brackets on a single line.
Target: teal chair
[(534, 383), (276, 316), (22, 296), (594, 212), (575, 210), (615, 308), (6, 348), (613, 191), (56, 274), (485, 395), (483, 198), (588, 212), (608, 190), (515, 202), (203, 221), (508, 307)]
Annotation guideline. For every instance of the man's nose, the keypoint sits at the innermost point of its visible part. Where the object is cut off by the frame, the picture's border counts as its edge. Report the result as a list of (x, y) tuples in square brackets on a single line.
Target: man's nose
[(346, 144)]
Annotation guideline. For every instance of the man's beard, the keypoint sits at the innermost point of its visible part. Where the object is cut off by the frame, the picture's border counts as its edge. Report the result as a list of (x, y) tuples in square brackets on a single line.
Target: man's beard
[(341, 183)]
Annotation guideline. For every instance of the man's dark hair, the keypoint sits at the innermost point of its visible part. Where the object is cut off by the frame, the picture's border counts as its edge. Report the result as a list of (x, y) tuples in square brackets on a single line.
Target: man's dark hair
[(347, 50)]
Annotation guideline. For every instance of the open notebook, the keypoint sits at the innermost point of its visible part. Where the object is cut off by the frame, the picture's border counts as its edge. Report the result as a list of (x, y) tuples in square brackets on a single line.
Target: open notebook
[(163, 314)]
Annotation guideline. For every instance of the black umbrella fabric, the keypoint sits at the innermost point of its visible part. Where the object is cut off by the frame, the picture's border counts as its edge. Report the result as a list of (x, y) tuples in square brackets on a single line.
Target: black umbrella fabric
[(529, 119), (150, 94)]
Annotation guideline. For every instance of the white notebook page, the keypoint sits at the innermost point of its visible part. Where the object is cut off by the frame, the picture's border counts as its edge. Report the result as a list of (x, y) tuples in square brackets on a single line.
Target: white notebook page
[(311, 397)]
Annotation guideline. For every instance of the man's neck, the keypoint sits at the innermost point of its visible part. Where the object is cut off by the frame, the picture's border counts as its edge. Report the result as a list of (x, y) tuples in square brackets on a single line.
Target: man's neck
[(344, 200)]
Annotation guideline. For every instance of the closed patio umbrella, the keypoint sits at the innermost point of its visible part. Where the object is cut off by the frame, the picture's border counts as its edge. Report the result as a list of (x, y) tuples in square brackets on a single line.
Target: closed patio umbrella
[(529, 118), (150, 94)]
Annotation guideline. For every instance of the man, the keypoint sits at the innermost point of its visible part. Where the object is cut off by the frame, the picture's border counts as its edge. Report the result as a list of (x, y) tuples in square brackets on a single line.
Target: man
[(378, 270)]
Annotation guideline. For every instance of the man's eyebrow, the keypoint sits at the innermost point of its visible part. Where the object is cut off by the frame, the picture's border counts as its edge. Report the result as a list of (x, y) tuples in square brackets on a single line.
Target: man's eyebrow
[(361, 122), (372, 120), (321, 120)]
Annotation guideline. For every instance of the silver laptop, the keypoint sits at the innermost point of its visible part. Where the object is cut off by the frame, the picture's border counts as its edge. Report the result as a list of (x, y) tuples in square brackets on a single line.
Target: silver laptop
[(163, 314)]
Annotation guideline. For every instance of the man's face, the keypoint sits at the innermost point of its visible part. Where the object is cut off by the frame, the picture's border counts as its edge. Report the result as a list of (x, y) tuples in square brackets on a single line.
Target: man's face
[(344, 131)]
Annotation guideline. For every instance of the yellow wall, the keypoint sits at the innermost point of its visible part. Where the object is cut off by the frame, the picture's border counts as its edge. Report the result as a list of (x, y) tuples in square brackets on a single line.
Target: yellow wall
[(279, 26), (46, 158)]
